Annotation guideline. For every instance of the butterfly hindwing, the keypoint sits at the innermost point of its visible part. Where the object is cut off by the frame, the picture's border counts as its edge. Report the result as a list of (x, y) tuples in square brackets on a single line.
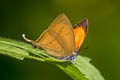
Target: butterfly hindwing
[(58, 40)]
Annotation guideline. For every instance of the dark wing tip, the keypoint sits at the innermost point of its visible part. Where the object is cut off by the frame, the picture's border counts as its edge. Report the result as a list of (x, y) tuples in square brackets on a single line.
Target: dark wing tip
[(83, 23)]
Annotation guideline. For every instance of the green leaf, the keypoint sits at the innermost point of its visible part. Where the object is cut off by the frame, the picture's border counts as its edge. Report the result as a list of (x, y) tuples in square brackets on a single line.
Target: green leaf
[(83, 64), (81, 70), (13, 51)]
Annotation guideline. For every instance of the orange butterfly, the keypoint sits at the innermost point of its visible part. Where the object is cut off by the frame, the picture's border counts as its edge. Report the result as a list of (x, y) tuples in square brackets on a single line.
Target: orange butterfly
[(60, 39)]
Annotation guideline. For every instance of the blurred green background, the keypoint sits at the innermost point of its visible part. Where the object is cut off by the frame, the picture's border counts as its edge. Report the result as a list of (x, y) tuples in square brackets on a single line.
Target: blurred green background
[(33, 16)]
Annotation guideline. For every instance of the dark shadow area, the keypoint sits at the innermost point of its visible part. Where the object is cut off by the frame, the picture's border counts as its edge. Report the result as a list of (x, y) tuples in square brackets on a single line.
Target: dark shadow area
[(29, 70)]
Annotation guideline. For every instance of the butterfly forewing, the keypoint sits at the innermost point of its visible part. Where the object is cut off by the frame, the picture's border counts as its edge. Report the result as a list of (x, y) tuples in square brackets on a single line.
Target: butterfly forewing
[(80, 31), (58, 40)]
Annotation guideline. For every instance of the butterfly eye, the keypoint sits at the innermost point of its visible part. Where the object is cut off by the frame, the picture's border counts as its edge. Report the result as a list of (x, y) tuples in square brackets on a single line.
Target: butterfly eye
[(33, 46)]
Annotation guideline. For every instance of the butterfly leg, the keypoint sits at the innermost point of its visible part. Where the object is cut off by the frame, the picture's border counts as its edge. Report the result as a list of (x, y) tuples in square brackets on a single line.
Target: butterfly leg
[(71, 58)]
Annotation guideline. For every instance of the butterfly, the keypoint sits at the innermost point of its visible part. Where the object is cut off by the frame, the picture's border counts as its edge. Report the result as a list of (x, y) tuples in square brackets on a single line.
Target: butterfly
[(61, 40)]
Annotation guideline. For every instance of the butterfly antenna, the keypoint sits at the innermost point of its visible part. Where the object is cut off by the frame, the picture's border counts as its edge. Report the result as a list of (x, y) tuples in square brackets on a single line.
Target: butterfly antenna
[(28, 40)]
